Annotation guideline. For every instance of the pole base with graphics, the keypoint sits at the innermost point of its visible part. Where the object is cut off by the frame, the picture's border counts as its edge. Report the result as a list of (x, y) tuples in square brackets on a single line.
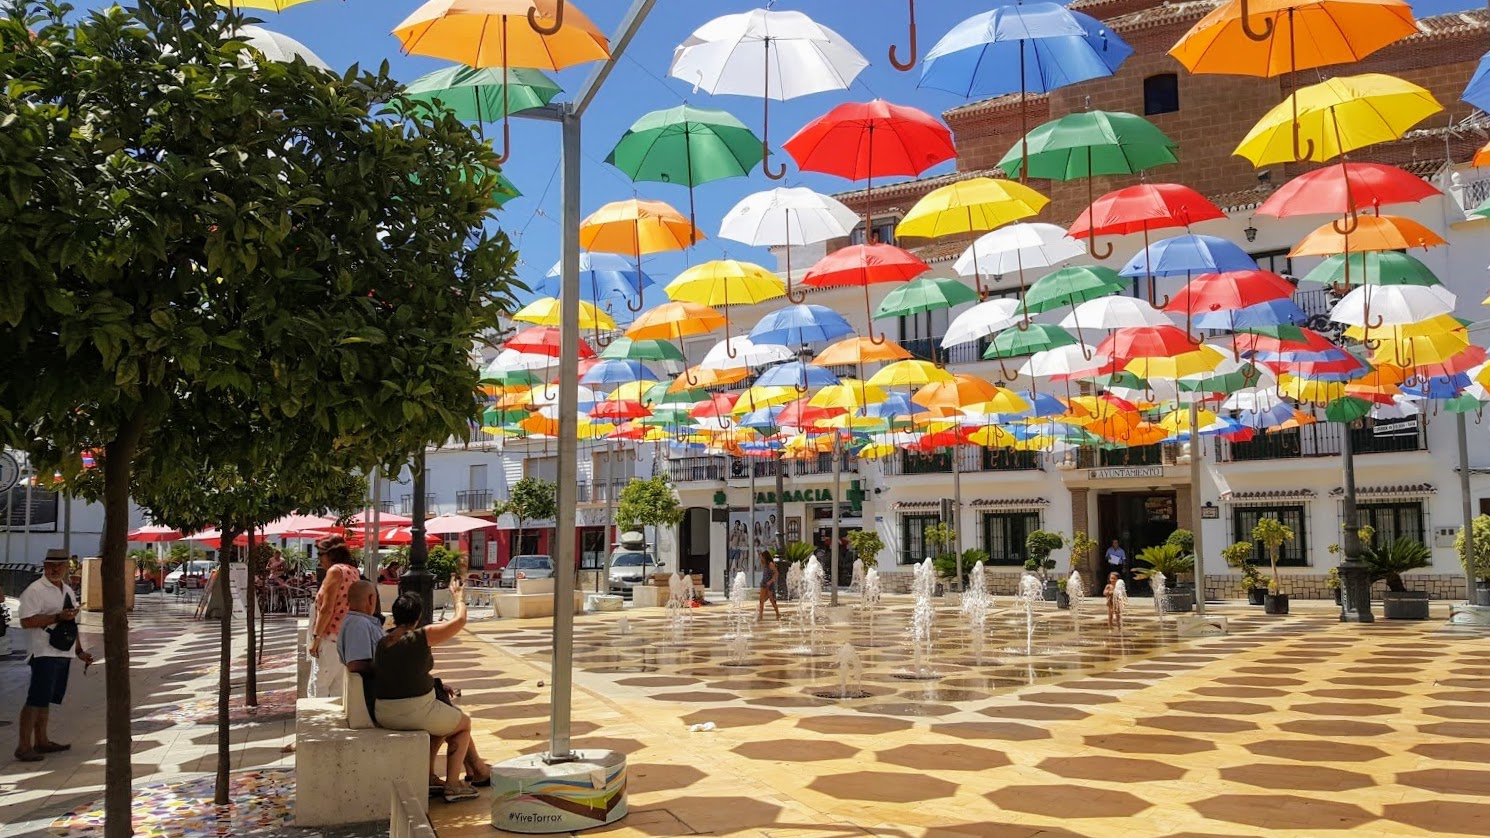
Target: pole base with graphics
[(532, 797), (1464, 614)]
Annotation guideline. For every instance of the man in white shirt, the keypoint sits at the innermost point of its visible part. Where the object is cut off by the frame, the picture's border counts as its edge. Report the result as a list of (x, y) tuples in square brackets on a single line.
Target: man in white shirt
[(1117, 559), (49, 610)]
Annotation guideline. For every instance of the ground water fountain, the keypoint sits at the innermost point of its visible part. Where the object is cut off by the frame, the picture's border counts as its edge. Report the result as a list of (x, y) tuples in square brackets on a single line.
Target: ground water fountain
[(856, 582), (739, 621), (923, 587), (1160, 586), (1118, 605), (679, 605), (809, 597), (1031, 590), (975, 606), (850, 676)]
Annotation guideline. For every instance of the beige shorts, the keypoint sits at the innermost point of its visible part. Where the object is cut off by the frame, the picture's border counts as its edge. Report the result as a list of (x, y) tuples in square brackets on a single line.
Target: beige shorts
[(423, 712)]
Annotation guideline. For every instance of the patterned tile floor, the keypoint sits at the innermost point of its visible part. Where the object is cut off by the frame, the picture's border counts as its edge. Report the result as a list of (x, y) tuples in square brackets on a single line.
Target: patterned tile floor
[(1296, 726)]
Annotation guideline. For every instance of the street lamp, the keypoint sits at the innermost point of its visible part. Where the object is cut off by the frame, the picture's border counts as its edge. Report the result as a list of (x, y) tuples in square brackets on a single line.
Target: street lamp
[(417, 579)]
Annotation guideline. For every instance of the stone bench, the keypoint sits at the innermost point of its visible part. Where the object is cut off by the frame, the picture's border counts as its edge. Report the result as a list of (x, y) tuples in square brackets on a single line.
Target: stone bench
[(531, 598), (343, 775)]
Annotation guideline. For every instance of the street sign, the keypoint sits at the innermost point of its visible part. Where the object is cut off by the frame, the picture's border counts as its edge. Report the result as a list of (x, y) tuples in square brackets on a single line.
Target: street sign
[(10, 472)]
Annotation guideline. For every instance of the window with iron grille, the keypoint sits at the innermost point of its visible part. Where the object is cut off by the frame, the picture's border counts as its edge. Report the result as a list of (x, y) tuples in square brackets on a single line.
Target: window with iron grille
[(1293, 553), (914, 547), (1393, 520), (1004, 534), (1161, 94)]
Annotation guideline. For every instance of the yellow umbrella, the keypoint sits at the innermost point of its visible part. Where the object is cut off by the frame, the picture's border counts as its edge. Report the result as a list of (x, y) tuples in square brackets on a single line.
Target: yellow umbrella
[(724, 281), (1336, 117), (1204, 359), (502, 33), (1442, 324), (992, 436), (875, 450), (636, 227), (1420, 349), (547, 312), (852, 421), (1178, 421), (848, 394), (758, 397), (266, 5), (975, 205), (1003, 401), (1310, 390), (909, 374)]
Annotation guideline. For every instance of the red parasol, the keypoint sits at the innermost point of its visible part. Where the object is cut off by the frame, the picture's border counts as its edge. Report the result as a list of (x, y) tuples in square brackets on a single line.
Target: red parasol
[(1145, 342), (1228, 291), (1343, 189), (542, 340), (1142, 208)]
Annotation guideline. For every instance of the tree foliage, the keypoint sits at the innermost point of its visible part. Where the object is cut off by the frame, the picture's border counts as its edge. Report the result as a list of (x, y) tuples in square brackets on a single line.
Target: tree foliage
[(1479, 568), (648, 503), (867, 545), (1272, 534)]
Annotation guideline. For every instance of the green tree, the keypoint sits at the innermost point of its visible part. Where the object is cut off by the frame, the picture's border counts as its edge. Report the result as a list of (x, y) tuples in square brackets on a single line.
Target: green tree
[(1040, 544), (530, 499), (867, 545), (1479, 567), (1272, 534), (648, 503), (200, 230), (1082, 546)]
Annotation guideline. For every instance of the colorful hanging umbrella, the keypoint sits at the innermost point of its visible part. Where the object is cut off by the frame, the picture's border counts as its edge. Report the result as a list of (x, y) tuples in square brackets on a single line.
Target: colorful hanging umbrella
[(1127, 344), (975, 205), (483, 94), (687, 146), (637, 227), (1143, 208), (1376, 267), (787, 218), (1071, 286), (1227, 291), (924, 294), (857, 351), (986, 318), (864, 265), (603, 278), (909, 373), (542, 340), (505, 34), (1370, 232), (1374, 306), (278, 47), (641, 350), (674, 321), (547, 312), (799, 324), (796, 374), (724, 281), (1014, 249), (609, 371), (1341, 190), (770, 55), (1272, 37), (1337, 116), (620, 410), (1190, 254), (741, 352)]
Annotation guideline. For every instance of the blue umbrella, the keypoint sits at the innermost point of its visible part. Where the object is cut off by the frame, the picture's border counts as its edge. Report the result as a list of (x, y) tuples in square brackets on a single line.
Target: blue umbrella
[(1270, 313), (1272, 417), (1322, 356), (1438, 387), (762, 418), (618, 371), (796, 374), (604, 277), (1026, 47), (799, 324), (1189, 254), (1477, 92)]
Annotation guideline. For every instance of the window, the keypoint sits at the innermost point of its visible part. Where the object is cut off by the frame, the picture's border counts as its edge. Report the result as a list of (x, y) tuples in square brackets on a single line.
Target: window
[(1004, 534), (1277, 261), (884, 233), (1161, 94), (1295, 553), (913, 545), (1393, 520), (476, 478)]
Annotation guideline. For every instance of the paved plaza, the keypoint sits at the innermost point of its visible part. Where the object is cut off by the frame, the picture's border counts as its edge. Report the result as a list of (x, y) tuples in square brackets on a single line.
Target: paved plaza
[(1287, 726)]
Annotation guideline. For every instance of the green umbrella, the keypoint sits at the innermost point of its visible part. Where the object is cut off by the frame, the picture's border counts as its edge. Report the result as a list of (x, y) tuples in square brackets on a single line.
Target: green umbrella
[(1230, 382), (1122, 378), (1277, 331), (925, 294), (511, 378), (503, 190), (1037, 337), (1346, 410), (485, 94), (1074, 285), (1481, 211), (1387, 267), (1463, 403), (687, 146), (494, 418), (641, 350)]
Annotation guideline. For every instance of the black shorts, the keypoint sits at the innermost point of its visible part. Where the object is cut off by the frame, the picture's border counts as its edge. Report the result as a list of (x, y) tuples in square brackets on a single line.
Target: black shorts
[(48, 681)]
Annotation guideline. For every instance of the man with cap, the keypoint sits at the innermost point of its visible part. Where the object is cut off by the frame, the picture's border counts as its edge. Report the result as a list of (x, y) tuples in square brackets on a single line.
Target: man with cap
[(49, 611)]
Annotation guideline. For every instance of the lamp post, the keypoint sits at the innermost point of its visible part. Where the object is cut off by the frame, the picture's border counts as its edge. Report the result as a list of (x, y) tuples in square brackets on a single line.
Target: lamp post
[(1355, 579), (417, 578)]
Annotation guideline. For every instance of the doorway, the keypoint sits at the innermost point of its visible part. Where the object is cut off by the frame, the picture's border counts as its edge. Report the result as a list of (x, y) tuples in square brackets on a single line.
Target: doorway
[(1137, 520), (693, 543)]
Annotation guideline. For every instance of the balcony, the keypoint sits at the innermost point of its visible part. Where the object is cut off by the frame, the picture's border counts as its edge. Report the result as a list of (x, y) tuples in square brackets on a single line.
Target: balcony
[(741, 467), (598, 491), (1326, 440), (696, 469), (473, 500), (930, 349), (406, 504), (971, 459)]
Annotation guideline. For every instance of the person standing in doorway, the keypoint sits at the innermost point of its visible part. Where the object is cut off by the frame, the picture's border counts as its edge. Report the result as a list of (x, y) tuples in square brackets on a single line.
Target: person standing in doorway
[(1117, 559), (49, 611)]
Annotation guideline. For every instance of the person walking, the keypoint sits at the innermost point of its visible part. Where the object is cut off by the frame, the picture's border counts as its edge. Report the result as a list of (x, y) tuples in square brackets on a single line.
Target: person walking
[(1117, 559), (331, 610), (769, 575), (49, 610)]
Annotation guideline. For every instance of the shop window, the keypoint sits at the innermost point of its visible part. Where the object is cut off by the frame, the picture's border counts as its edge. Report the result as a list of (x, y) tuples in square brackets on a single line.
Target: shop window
[(1004, 534), (914, 547), (1161, 94), (1293, 553), (1393, 520)]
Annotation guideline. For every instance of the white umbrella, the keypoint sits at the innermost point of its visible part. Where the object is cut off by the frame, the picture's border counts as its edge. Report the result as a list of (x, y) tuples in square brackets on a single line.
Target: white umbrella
[(771, 55), (1258, 399), (1402, 407), (509, 360), (1014, 248), (787, 217), (1115, 312), (1062, 360), (279, 47), (982, 320), (452, 524), (548, 396), (746, 354), (1375, 306)]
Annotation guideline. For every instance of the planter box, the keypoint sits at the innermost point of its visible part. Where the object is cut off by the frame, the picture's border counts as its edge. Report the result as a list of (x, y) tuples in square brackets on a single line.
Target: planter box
[(1255, 596), (1481, 592), (1062, 599), (1405, 605), (1051, 590), (1275, 603), (1338, 600)]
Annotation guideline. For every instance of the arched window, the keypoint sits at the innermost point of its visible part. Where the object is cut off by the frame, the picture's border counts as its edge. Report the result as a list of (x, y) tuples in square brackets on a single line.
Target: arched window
[(1161, 94)]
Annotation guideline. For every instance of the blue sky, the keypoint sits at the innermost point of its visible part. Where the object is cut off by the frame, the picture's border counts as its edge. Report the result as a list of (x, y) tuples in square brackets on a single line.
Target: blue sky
[(344, 32)]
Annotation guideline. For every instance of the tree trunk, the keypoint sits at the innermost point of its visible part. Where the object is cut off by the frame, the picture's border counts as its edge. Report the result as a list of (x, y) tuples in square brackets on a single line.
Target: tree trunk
[(251, 677), (118, 772), (225, 665)]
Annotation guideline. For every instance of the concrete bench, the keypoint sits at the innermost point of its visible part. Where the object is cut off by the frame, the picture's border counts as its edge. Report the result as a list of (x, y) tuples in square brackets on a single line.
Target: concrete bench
[(342, 775), (531, 598)]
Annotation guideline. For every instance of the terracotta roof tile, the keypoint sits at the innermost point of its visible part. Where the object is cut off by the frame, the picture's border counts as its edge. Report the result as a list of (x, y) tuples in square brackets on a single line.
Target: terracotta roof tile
[(1007, 100), (917, 187)]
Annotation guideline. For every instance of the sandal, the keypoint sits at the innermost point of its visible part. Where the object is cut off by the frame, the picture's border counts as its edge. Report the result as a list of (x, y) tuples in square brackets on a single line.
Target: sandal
[(455, 794), (27, 756), (479, 782)]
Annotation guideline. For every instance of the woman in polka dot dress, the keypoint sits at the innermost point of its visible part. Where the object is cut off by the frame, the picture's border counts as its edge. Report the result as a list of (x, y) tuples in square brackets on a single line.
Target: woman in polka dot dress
[(331, 610)]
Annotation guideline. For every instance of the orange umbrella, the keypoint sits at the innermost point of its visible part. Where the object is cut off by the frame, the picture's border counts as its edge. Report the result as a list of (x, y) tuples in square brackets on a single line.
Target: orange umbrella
[(674, 321), (696, 377), (1373, 232), (860, 350), (962, 390), (1271, 37), (503, 33), (636, 227), (1482, 157)]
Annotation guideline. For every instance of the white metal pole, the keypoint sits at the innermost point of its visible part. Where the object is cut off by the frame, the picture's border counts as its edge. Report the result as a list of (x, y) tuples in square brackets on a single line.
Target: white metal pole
[(26, 535), (1461, 425), (1195, 454), (837, 493)]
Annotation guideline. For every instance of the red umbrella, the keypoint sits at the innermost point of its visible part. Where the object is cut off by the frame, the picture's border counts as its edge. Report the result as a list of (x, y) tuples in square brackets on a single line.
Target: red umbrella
[(1140, 209), (1132, 342), (393, 535), (629, 430), (800, 414), (865, 265), (542, 340), (717, 405), (622, 410), (1341, 190), (865, 140), (1227, 291), (1312, 342), (154, 535)]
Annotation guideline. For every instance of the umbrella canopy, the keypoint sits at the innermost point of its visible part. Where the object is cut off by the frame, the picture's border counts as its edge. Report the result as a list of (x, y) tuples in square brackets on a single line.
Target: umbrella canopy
[(1374, 306), (642, 350), (986, 318), (674, 321), (687, 146), (619, 410), (1229, 290), (865, 140), (603, 277), (1091, 143), (453, 524), (1272, 37), (609, 371), (962, 390), (1038, 337), (796, 374), (1044, 45), (151, 534), (910, 373), (1060, 361), (1142, 208), (1189, 254), (636, 227), (855, 351), (1336, 117), (1477, 92), (799, 324), (925, 294), (496, 33), (1016, 248), (1268, 314), (278, 47), (1370, 232), (724, 281), (769, 55), (974, 205), (1114, 312), (1342, 189), (547, 312), (542, 340), (864, 264), (1073, 285), (483, 94), (741, 352), (1128, 344), (787, 217)]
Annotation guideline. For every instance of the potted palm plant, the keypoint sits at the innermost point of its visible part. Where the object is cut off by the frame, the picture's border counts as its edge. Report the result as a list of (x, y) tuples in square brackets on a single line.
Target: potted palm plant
[(1388, 563), (1479, 564), (1238, 557), (1273, 534), (1171, 561)]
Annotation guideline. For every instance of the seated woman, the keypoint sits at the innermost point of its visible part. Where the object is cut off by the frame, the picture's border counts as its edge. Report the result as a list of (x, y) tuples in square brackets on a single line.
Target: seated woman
[(406, 688), (389, 574)]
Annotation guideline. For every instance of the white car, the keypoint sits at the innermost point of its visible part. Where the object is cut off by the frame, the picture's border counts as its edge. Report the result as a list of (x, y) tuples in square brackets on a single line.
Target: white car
[(630, 567), (197, 570)]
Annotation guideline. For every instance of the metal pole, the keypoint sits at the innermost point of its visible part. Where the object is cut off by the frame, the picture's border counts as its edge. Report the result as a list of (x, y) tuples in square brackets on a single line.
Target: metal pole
[(1355, 581), (10, 517), (837, 482), (956, 522), (1461, 425), (377, 514), (26, 535), (370, 558), (561, 674), (67, 524), (610, 517), (1196, 452), (417, 578)]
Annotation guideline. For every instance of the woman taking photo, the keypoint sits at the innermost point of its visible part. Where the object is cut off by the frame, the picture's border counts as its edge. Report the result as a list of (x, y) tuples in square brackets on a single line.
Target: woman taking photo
[(769, 575), (331, 609), (406, 686)]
